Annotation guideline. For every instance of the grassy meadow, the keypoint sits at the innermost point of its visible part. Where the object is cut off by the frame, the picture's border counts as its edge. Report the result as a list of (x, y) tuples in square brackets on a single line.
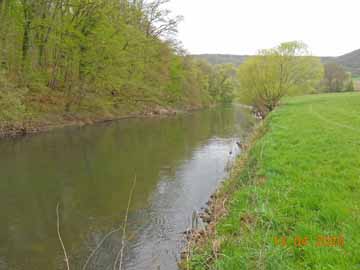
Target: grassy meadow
[(296, 203)]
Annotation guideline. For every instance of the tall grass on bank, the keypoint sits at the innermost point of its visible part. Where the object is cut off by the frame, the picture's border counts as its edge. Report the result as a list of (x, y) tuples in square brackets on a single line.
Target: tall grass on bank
[(297, 201)]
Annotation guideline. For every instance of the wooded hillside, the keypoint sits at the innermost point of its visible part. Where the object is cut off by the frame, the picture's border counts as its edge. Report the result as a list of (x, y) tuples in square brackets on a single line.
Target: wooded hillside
[(62, 59)]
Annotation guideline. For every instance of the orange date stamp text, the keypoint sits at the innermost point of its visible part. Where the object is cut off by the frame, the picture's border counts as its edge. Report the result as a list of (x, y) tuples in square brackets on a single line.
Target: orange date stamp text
[(303, 241)]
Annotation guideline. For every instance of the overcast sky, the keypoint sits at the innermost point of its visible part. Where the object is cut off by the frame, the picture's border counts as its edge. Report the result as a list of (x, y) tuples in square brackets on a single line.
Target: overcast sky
[(329, 27)]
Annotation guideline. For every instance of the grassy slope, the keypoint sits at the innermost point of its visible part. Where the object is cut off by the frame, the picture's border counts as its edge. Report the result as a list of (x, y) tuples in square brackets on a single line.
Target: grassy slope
[(45, 109), (302, 178)]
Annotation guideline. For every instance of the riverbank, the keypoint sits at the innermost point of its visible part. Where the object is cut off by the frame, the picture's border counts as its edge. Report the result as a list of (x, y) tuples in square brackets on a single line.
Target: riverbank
[(47, 122), (292, 201)]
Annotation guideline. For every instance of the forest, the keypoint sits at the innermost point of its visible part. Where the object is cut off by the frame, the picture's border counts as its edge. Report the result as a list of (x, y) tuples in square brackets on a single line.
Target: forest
[(71, 61)]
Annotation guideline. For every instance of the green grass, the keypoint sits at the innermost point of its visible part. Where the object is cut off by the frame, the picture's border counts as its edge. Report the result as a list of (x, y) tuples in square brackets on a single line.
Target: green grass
[(301, 179)]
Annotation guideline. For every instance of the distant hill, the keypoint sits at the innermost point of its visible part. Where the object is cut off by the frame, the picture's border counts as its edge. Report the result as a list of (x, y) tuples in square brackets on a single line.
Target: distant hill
[(216, 59), (350, 61)]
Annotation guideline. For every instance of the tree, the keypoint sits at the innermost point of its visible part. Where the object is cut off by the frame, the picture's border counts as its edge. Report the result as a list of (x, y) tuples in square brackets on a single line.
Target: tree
[(285, 70), (159, 23), (222, 83), (336, 79), (350, 85)]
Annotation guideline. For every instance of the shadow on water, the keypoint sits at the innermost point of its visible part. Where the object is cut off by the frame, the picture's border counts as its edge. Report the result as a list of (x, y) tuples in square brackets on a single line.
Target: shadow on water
[(178, 163)]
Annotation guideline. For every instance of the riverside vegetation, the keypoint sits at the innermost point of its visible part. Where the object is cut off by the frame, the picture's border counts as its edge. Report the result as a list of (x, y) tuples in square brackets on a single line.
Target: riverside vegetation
[(73, 61), (294, 202), (291, 202)]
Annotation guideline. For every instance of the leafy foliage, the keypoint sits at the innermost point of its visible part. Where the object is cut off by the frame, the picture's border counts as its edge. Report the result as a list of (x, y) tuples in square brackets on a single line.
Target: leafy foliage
[(107, 52), (223, 83), (12, 108), (285, 70)]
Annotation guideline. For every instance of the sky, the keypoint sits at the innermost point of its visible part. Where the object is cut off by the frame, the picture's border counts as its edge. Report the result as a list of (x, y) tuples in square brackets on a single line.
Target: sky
[(328, 27)]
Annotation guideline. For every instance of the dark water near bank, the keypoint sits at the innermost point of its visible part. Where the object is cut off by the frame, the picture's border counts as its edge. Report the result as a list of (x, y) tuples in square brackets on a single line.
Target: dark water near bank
[(178, 162)]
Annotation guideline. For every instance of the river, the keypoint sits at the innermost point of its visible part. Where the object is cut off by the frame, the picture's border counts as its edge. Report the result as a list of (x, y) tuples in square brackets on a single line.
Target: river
[(89, 171)]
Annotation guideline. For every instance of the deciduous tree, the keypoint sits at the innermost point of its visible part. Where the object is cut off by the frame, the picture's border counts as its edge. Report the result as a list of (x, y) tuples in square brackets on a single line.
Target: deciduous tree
[(285, 70), (336, 79)]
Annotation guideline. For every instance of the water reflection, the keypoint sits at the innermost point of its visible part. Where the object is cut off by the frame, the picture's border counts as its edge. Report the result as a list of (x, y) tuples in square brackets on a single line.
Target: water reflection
[(178, 162)]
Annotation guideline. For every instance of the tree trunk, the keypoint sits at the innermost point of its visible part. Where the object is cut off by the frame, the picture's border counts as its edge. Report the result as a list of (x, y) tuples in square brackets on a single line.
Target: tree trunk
[(3, 33), (26, 41), (26, 35)]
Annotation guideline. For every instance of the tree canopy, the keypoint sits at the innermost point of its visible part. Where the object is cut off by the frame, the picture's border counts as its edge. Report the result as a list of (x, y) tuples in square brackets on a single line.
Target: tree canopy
[(285, 70), (96, 57)]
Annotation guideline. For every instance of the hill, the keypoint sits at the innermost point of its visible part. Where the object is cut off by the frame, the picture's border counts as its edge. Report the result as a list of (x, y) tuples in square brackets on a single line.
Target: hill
[(350, 61), (216, 59)]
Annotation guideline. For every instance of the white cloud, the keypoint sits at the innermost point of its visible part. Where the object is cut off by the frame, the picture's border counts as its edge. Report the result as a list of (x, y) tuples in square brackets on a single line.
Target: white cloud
[(329, 27)]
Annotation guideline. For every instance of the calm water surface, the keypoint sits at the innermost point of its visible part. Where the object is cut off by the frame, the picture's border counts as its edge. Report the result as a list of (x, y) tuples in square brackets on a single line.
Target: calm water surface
[(178, 162)]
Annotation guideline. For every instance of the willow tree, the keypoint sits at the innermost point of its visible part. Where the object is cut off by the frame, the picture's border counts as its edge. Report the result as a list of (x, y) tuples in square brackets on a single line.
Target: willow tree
[(288, 69)]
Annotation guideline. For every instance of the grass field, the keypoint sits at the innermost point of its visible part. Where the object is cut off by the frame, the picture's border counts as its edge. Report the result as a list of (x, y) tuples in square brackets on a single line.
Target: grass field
[(297, 202)]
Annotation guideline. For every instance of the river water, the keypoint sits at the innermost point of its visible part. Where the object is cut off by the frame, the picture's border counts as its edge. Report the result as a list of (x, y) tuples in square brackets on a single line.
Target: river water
[(177, 162)]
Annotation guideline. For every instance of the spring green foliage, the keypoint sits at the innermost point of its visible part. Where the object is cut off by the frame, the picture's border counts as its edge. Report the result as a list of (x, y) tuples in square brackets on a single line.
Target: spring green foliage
[(223, 83), (301, 179), (95, 57), (12, 110), (285, 70)]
